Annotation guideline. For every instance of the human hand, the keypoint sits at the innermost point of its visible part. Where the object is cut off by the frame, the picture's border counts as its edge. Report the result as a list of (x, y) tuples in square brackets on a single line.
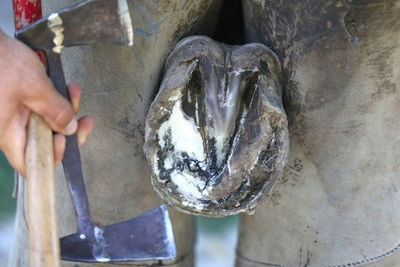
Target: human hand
[(25, 87)]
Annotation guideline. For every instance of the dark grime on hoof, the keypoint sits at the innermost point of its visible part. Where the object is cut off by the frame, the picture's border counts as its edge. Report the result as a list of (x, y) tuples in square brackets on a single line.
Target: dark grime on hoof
[(216, 134)]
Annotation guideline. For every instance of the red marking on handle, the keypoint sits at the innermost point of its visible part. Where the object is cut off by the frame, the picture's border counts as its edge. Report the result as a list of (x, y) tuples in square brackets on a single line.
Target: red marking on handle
[(26, 12)]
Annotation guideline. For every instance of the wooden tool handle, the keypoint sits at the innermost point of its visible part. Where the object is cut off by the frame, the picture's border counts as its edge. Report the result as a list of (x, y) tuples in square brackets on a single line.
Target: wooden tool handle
[(44, 246), (42, 212)]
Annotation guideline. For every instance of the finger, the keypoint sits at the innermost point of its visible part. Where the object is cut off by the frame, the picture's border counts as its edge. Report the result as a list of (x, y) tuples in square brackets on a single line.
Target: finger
[(15, 156), (59, 142), (13, 144), (43, 99), (75, 96), (86, 125), (15, 161)]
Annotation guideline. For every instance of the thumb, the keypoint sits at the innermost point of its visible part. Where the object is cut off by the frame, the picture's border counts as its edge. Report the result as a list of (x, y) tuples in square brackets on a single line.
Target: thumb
[(44, 100)]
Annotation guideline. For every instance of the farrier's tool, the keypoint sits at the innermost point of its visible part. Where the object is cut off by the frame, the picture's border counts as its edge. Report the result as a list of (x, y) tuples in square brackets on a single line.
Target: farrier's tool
[(148, 236), (44, 247)]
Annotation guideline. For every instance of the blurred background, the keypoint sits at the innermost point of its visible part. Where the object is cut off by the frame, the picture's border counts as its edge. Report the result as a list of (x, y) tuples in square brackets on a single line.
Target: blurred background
[(216, 238), (7, 209)]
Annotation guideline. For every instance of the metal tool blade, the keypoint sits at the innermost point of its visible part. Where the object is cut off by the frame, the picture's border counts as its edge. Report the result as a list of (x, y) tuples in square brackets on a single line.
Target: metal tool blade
[(88, 23), (146, 237)]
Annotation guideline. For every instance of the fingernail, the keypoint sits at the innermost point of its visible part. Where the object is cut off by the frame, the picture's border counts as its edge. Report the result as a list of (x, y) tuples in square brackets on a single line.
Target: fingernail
[(71, 127)]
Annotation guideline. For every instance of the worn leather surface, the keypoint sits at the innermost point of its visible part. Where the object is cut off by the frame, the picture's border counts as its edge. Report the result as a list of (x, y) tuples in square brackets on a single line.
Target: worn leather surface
[(119, 84), (337, 204)]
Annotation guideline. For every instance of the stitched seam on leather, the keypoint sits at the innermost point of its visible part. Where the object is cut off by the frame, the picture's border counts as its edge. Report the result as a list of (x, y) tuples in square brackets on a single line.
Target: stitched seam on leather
[(369, 260)]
